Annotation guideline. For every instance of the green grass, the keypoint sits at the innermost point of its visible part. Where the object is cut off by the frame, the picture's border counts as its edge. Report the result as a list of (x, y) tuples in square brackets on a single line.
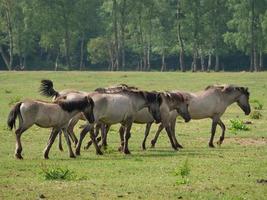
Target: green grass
[(227, 172)]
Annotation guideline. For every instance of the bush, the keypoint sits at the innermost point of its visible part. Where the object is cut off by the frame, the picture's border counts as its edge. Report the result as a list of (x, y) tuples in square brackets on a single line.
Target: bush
[(255, 115), (183, 173), (57, 173), (237, 124), (257, 105)]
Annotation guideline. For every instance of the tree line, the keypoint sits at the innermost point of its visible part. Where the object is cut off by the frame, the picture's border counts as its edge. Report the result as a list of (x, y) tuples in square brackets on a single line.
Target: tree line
[(144, 35)]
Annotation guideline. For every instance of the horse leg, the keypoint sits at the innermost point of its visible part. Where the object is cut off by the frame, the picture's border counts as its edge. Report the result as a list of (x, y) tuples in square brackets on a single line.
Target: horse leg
[(121, 132), (153, 142), (148, 126), (85, 130), (213, 130), (221, 124), (59, 140), (51, 140), (173, 123), (104, 138), (127, 136), (66, 135), (93, 138), (70, 129), (18, 150), (169, 133), (90, 142)]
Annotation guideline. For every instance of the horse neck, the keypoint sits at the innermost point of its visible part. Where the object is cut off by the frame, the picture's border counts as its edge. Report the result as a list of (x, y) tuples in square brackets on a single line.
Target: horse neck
[(231, 98), (171, 104)]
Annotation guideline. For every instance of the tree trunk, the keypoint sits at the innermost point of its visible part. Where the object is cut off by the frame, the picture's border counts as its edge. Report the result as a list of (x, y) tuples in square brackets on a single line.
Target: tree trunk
[(209, 63), (217, 63), (56, 62), (115, 29), (252, 42), (82, 53), (194, 63), (67, 39), (255, 59), (123, 35), (261, 62), (163, 64), (5, 58), (180, 39), (202, 60)]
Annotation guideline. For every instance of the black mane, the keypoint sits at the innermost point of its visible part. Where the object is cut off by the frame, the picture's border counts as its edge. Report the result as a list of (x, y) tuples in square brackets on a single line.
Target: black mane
[(73, 105)]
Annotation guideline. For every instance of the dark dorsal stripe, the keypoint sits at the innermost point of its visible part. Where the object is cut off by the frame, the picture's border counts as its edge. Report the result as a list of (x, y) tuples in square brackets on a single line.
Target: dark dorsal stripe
[(73, 105)]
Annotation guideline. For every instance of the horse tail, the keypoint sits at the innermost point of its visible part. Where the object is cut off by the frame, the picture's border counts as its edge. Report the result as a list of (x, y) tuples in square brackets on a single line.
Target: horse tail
[(47, 89), (15, 111)]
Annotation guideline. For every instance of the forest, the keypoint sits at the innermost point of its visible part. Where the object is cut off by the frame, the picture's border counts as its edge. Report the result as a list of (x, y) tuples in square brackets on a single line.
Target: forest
[(141, 35)]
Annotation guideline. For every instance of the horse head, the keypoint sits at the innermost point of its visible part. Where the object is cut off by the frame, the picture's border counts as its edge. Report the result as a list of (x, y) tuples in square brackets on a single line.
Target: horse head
[(241, 95), (154, 101)]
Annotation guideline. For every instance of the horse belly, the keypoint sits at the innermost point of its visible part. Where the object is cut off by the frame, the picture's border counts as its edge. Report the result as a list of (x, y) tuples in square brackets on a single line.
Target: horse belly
[(143, 116)]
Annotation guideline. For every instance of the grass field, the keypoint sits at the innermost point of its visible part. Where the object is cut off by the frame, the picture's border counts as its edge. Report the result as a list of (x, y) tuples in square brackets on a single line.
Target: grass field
[(227, 172)]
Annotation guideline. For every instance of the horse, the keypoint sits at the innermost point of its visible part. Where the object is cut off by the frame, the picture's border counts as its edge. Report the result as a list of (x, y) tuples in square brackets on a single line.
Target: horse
[(170, 102), (47, 89), (212, 103), (46, 115), (121, 107)]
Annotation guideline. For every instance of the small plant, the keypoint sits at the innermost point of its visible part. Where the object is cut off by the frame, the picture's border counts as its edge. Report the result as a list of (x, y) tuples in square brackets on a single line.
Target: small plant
[(57, 173), (255, 115), (183, 173), (257, 105), (237, 124)]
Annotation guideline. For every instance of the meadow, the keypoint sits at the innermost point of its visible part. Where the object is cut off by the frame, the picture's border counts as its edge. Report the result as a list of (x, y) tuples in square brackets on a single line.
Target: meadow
[(236, 170)]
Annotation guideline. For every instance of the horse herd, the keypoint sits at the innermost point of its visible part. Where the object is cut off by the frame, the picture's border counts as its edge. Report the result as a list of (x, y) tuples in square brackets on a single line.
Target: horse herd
[(123, 105)]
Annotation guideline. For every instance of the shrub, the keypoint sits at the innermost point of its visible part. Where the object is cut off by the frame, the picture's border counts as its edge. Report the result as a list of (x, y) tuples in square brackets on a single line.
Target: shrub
[(255, 115), (257, 105), (57, 173), (237, 124), (183, 173)]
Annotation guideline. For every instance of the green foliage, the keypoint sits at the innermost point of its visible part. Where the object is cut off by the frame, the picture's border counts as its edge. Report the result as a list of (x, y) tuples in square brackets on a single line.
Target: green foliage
[(255, 114), (257, 105), (237, 125), (57, 173), (183, 172)]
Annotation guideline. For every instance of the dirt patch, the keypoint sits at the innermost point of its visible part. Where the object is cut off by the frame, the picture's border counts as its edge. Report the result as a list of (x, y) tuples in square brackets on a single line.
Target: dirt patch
[(248, 141)]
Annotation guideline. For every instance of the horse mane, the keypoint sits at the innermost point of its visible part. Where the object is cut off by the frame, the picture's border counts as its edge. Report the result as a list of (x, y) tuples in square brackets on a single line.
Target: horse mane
[(229, 88), (175, 96), (115, 89), (72, 105)]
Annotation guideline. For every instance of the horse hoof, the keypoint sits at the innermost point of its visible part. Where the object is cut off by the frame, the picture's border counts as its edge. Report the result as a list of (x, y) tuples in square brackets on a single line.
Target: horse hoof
[(18, 156), (211, 146), (180, 146), (99, 153), (120, 148), (77, 153), (72, 156), (153, 143), (127, 152)]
